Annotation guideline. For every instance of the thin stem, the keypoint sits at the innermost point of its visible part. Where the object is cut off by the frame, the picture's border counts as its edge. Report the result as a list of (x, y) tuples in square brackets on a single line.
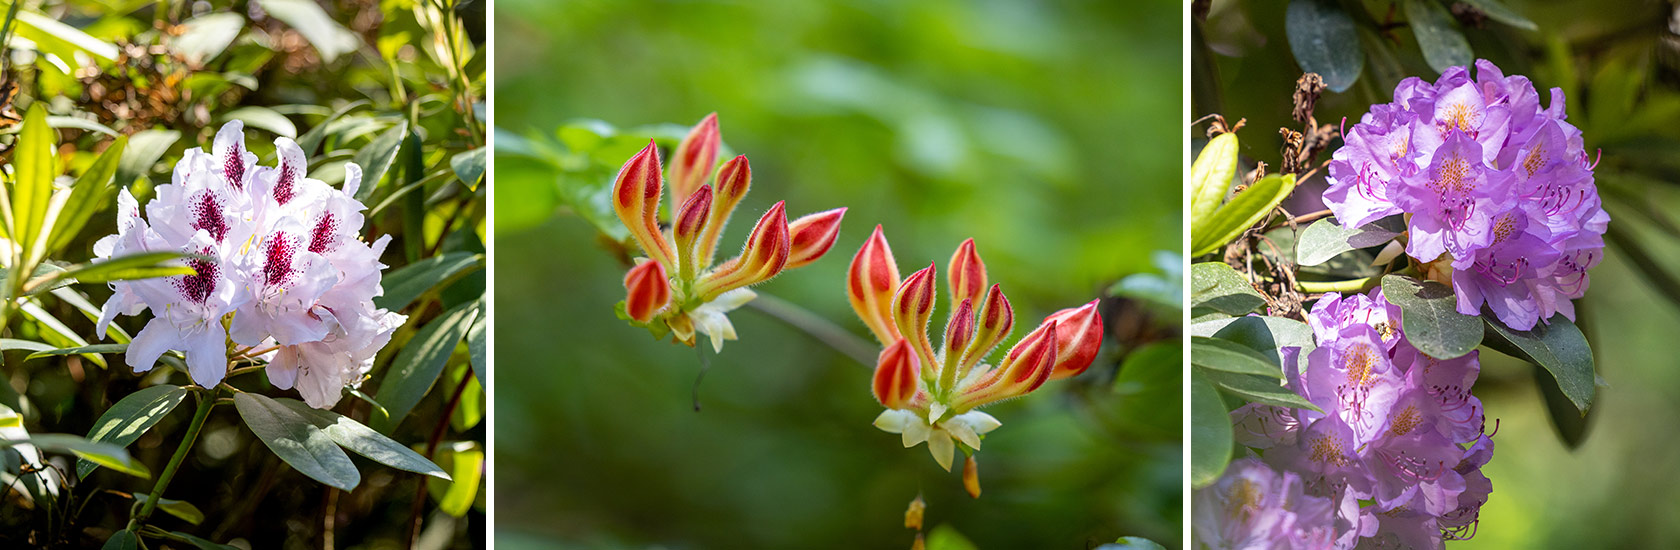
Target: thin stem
[(821, 329), (205, 403), (1352, 285)]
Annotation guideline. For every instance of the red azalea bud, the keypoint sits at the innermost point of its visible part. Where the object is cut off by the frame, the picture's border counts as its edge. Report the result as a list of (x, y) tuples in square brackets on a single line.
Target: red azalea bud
[(959, 332), (870, 284), (689, 224), (733, 179), (912, 307), (648, 290), (813, 235), (967, 273), (765, 255), (1026, 367), (636, 201), (895, 375), (1081, 335), (997, 320), (694, 159)]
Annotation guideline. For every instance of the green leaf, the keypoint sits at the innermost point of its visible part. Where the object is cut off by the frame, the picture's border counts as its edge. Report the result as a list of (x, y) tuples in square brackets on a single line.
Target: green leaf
[(145, 265), (91, 194), (1259, 389), (91, 312), (31, 192), (79, 350), (405, 284), (1571, 424), (130, 417), (296, 440), (1324, 41), (466, 463), (178, 508), (122, 540), (469, 166), (376, 158), (1437, 35), (1211, 176), (1224, 355), (63, 40), (144, 149), (1430, 319), (1501, 13), (1165, 289), (329, 38), (1556, 345), (362, 440), (108, 455), (1210, 433), (477, 347), (1215, 285), (56, 328), (1325, 239), (201, 543), (419, 363), (204, 37), (1243, 211), (1263, 334), (311, 140), (80, 124), (263, 118), (1132, 543)]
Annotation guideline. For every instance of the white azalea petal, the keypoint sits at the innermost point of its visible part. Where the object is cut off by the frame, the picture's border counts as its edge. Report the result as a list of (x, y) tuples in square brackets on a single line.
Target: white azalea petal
[(981, 422), (961, 430), (939, 443), (915, 432), (728, 301), (894, 420), (935, 411)]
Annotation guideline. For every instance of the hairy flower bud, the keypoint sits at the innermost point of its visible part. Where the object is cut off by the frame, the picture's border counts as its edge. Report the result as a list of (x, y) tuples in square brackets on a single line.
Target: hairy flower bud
[(689, 223), (912, 308), (996, 321), (1026, 367), (870, 284), (959, 332), (895, 375), (813, 235), (967, 273), (1081, 333), (733, 181), (764, 256), (694, 158), (648, 291), (636, 200)]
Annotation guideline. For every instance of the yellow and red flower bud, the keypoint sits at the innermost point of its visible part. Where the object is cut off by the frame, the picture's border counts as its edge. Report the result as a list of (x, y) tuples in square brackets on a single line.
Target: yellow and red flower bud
[(870, 285), (636, 200), (1080, 333), (689, 224), (959, 332), (912, 308), (694, 159), (813, 235), (895, 375), (967, 273), (996, 321), (648, 290), (1026, 367), (733, 180), (764, 256)]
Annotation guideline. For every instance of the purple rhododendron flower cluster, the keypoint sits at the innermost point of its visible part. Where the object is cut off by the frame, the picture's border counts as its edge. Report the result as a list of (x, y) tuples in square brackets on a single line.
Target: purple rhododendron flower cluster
[(1256, 507), (1490, 182), (280, 252), (1397, 451)]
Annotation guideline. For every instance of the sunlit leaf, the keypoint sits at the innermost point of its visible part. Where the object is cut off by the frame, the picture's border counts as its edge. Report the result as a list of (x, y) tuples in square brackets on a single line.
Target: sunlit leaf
[(419, 363), (130, 417), (1430, 319), (1210, 433), (362, 440), (297, 440)]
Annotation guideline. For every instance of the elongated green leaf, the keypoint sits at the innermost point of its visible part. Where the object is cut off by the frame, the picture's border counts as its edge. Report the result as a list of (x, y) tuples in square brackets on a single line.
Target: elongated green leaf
[(1325, 239), (144, 265), (296, 440), (122, 540), (1211, 176), (1437, 35), (1501, 13), (1242, 212), (1259, 389), (57, 328), (144, 149), (1556, 345), (178, 508), (405, 284), (104, 454), (311, 140), (263, 118), (362, 440), (419, 363), (130, 417), (1429, 316), (32, 158), (466, 463), (204, 37), (376, 158), (1571, 424), (1228, 356), (79, 350), (1264, 334), (329, 38), (469, 166), (477, 347), (200, 543), (70, 296), (61, 39), (1324, 41), (1210, 433), (89, 196), (80, 124), (1216, 286)]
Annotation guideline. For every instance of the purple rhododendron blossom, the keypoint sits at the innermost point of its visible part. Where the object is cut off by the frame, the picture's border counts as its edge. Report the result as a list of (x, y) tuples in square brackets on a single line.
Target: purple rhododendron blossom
[(1490, 182), (1253, 507)]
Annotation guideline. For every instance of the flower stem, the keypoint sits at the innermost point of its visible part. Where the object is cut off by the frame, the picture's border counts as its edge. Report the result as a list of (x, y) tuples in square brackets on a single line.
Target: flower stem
[(1353, 285), (205, 403), (823, 330)]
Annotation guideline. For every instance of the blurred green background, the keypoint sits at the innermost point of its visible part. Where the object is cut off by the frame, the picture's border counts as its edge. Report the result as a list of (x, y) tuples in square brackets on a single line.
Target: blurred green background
[(1619, 63), (1035, 128)]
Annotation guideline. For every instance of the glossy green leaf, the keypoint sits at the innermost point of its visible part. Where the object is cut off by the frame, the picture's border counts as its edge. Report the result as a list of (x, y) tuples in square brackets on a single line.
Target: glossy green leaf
[(79, 350), (376, 157), (80, 123), (205, 36), (419, 363), (1214, 285), (1324, 41), (362, 440), (1437, 35), (1211, 439), (262, 118), (1498, 11), (469, 166), (178, 508), (130, 417), (57, 329), (144, 150), (1430, 319), (1211, 176), (1242, 212), (328, 37), (91, 194), (1228, 356), (405, 284), (1569, 422), (145, 265), (35, 168), (1325, 239), (1262, 333), (109, 455), (296, 440), (1259, 389), (122, 540), (1557, 346), (311, 140)]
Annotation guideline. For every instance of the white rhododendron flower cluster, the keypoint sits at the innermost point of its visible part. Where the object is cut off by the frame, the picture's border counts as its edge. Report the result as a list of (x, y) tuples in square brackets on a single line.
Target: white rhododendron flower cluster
[(279, 252)]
